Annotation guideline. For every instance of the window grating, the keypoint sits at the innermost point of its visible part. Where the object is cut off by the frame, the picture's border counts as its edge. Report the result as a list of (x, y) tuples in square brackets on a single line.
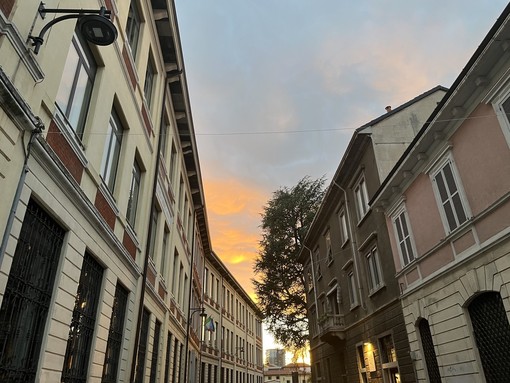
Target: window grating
[(142, 347), (81, 330), (492, 334), (113, 347), (155, 352), (429, 352), (167, 356), (28, 294)]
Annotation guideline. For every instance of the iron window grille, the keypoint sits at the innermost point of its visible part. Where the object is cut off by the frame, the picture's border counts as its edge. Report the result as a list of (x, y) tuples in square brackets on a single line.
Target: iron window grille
[(114, 344), (142, 347), (168, 355), (429, 352), (27, 295), (155, 353), (81, 330)]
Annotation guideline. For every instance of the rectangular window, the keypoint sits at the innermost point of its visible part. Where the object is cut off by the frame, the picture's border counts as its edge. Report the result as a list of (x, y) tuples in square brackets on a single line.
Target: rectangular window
[(344, 234), (155, 352), (360, 191), (149, 82), (142, 347), (374, 269), (168, 356), (362, 367), (164, 252), (113, 346), (73, 97), (134, 193), (353, 296), (28, 294), (453, 211), (388, 357), (133, 27), (329, 251), (153, 233), (317, 260), (405, 247), (111, 152), (83, 322)]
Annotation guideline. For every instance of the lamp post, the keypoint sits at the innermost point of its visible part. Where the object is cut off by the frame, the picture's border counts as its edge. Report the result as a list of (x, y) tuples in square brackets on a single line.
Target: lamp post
[(95, 25), (202, 314)]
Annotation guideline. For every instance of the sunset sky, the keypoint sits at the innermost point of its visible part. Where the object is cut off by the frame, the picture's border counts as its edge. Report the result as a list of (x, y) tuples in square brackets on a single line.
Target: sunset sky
[(278, 86)]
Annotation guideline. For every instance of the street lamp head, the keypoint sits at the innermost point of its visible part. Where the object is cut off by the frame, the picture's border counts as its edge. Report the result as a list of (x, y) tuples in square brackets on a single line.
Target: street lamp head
[(97, 29)]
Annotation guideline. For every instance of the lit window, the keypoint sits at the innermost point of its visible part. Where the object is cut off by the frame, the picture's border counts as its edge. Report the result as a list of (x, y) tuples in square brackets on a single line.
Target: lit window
[(362, 367), (452, 206), (388, 356), (134, 193), (73, 97), (111, 151), (360, 191)]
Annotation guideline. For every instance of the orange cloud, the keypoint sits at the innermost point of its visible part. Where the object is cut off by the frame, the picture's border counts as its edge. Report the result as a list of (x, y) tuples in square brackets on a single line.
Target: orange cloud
[(233, 210)]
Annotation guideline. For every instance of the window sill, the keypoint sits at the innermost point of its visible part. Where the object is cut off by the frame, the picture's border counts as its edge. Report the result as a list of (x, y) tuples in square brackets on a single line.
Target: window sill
[(376, 290), (354, 306), (330, 262), (360, 222), (344, 243)]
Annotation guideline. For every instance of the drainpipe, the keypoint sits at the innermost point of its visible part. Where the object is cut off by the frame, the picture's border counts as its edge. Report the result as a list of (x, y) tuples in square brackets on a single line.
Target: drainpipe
[(314, 283), (138, 326), (17, 194), (353, 245)]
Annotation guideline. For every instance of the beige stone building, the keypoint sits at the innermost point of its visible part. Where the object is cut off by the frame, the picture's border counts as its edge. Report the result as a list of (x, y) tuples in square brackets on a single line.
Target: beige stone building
[(104, 225)]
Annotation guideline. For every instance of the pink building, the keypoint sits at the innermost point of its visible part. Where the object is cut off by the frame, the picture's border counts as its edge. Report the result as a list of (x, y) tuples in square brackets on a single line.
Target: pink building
[(447, 206)]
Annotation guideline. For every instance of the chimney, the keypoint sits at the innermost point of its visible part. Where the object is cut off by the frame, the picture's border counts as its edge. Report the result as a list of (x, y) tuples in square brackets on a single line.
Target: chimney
[(388, 109)]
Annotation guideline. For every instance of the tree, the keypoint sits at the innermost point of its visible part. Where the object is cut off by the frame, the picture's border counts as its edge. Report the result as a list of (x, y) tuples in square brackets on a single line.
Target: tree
[(279, 282)]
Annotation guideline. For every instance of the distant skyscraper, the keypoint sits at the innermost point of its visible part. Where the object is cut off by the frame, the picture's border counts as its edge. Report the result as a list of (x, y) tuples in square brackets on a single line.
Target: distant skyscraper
[(275, 357)]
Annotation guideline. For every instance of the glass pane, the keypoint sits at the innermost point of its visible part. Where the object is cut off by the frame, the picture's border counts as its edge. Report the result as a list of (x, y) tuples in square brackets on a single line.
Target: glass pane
[(452, 187), (66, 83), (441, 186), (404, 225), (409, 249), (79, 106), (459, 209), (404, 253), (399, 229), (452, 223)]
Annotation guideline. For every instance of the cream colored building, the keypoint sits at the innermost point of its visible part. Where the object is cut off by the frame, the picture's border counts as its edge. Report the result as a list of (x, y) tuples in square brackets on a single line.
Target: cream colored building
[(104, 227)]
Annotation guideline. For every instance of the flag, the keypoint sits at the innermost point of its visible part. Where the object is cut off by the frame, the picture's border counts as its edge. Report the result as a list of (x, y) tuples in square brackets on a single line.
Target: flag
[(209, 324)]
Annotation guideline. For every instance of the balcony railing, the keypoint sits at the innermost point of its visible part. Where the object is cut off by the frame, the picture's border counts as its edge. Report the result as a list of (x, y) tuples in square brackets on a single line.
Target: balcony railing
[(332, 328)]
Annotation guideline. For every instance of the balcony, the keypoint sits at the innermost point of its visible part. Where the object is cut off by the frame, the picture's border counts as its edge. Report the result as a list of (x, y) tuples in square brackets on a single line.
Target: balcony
[(332, 328)]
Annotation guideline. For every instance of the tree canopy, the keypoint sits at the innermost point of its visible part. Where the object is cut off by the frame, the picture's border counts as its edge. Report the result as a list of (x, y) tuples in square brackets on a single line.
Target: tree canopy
[(279, 281)]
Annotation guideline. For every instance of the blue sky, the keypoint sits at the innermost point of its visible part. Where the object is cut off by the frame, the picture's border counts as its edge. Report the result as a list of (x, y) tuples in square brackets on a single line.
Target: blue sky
[(277, 88)]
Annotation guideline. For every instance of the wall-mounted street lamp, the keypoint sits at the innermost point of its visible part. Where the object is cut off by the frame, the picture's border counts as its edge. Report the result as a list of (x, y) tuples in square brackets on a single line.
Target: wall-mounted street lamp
[(203, 315), (95, 25)]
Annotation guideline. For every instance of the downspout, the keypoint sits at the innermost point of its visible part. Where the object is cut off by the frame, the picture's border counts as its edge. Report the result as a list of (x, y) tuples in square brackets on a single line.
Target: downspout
[(314, 283), (188, 316), (146, 260), (17, 194), (353, 245)]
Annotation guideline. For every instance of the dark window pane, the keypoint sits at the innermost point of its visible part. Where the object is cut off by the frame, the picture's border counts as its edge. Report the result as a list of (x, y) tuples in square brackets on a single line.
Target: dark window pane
[(142, 347)]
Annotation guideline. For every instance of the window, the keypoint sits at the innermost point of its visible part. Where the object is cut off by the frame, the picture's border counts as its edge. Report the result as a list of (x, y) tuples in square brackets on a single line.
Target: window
[(452, 206), (154, 229), (429, 352), (73, 97), (344, 234), (111, 152), (404, 239), (164, 252), (142, 347), (81, 330), (317, 261), (333, 296), (155, 352), (149, 82), (134, 193), (360, 191), (374, 269), (353, 296), (388, 356), (168, 355), (329, 251), (28, 294), (133, 27), (309, 278), (113, 346), (362, 367)]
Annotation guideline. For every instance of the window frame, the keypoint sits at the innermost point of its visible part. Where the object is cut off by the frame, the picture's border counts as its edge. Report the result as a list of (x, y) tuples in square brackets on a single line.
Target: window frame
[(148, 85), (374, 264), (133, 27), (113, 142), (352, 289), (343, 224), (439, 166), (329, 248), (134, 194), (400, 212), (361, 197)]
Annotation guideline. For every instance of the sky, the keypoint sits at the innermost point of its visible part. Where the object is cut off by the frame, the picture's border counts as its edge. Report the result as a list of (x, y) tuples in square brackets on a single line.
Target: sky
[(277, 88)]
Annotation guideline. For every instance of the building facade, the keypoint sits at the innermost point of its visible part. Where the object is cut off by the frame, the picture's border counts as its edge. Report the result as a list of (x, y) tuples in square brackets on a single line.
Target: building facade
[(275, 357), (104, 226), (289, 373), (357, 331), (447, 206)]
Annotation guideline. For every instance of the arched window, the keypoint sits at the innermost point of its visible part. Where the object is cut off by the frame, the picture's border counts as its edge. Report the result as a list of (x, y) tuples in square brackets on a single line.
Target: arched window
[(492, 334), (429, 352)]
